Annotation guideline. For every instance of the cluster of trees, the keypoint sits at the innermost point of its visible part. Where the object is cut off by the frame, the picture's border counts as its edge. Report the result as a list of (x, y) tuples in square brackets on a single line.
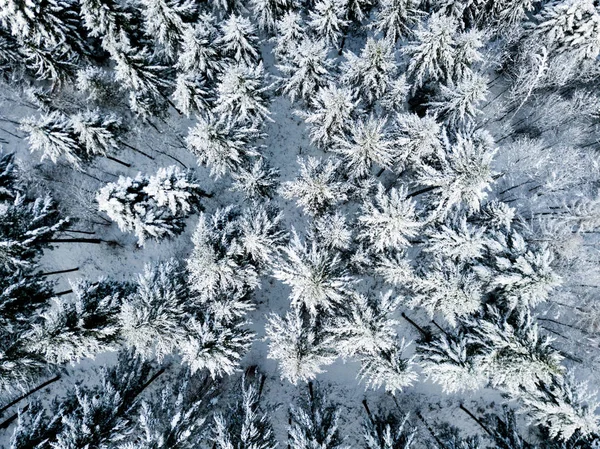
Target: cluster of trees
[(452, 181)]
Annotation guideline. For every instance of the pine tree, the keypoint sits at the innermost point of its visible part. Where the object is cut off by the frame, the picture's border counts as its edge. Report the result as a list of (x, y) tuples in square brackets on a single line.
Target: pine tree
[(151, 318), (257, 181), (564, 407), (151, 206), (306, 69), (465, 173), (315, 422), (388, 432), (241, 97), (219, 263), (373, 72), (107, 20), (300, 346), (52, 135), (571, 27), (395, 18), (419, 139), (164, 20), (199, 52), (394, 99), (191, 94), (468, 44), (390, 220), (394, 268), (458, 241), (317, 276), (433, 52), (522, 276), (26, 229), (457, 104), (451, 439), (332, 109), (368, 142), (95, 133), (239, 40), (328, 20), (448, 288), (448, 361), (319, 186), (8, 177), (267, 12), (331, 231), (388, 369), (366, 325), (513, 353), (289, 33), (220, 146), (245, 426), (73, 330)]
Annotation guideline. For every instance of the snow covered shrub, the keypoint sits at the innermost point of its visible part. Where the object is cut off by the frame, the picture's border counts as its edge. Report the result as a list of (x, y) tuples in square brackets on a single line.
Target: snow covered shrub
[(151, 206)]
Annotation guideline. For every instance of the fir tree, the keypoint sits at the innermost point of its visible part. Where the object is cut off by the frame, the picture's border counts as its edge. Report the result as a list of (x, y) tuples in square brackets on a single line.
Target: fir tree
[(394, 268), (306, 69), (367, 143), (315, 422), (8, 177), (299, 345), (319, 186), (373, 72), (239, 40), (290, 31), (191, 94), (95, 133), (331, 231), (258, 181), (388, 369), (433, 52), (457, 104), (241, 96), (448, 288), (317, 276), (151, 207), (419, 139), (388, 432), (267, 12), (220, 146), (332, 108), (366, 325), (395, 18), (457, 241), (328, 20), (107, 20), (199, 52), (390, 220), (245, 426)]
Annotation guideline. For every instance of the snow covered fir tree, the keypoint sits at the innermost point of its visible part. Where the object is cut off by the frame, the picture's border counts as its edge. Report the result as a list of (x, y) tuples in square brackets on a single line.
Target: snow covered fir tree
[(312, 224)]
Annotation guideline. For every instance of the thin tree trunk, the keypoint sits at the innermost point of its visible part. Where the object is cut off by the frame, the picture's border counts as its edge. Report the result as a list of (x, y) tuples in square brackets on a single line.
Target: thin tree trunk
[(8, 421), (29, 393), (135, 149), (63, 293), (49, 273), (477, 420), (431, 432), (82, 240), (416, 326), (77, 231), (311, 392), (118, 161), (424, 190), (366, 406)]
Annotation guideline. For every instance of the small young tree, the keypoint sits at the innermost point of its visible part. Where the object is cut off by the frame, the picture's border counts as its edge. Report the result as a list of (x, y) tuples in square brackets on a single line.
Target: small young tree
[(373, 72), (319, 187), (315, 422), (395, 18), (328, 20), (199, 52), (222, 147), (368, 142), (317, 276), (239, 40), (390, 220), (290, 31), (332, 108), (331, 231), (267, 12), (457, 241), (306, 69), (154, 206), (191, 94), (300, 346), (96, 133)]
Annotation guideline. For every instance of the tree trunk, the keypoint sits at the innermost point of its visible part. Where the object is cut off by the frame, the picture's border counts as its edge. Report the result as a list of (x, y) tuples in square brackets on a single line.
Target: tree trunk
[(49, 273), (425, 334), (82, 240), (29, 393), (477, 420), (77, 231), (136, 150), (423, 190), (8, 421), (366, 406), (428, 427), (118, 161)]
